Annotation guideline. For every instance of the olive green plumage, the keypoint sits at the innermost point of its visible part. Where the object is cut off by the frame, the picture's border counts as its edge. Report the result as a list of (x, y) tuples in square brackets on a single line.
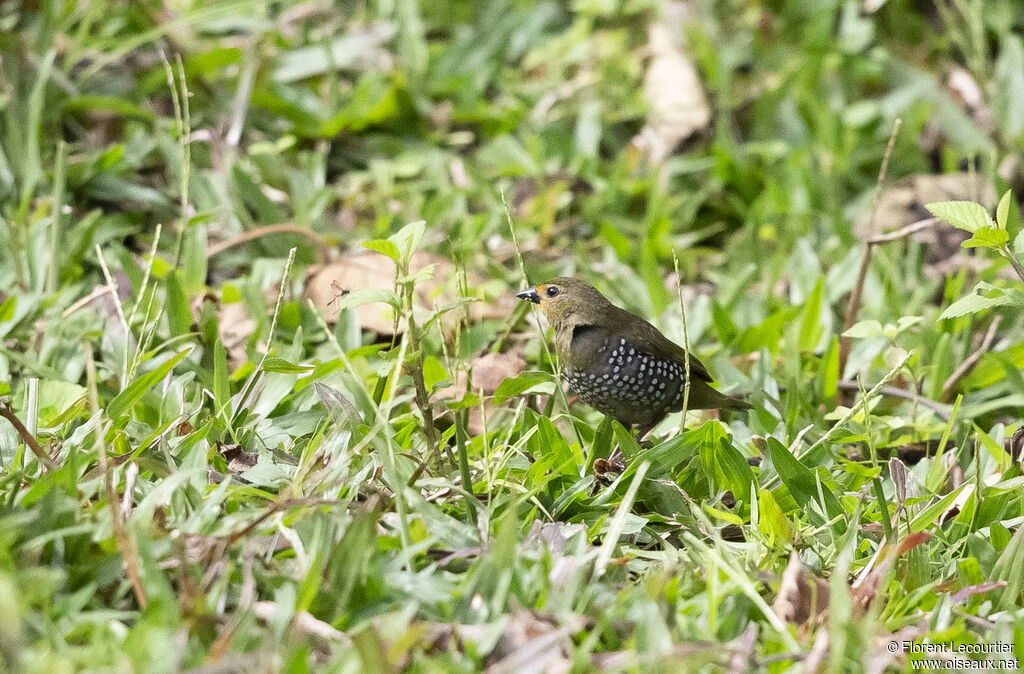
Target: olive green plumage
[(617, 362)]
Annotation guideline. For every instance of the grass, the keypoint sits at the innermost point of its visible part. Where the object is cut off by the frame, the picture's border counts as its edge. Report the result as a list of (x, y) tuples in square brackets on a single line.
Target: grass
[(210, 459)]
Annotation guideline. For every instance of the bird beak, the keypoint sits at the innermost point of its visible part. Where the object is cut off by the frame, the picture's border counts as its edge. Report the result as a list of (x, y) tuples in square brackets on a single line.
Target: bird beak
[(530, 294)]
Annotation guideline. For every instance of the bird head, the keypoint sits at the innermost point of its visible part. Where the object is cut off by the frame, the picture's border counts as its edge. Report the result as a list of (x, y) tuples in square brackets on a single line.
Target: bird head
[(566, 301)]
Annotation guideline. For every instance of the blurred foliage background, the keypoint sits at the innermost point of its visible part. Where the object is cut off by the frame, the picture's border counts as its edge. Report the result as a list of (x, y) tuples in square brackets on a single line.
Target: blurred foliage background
[(270, 406)]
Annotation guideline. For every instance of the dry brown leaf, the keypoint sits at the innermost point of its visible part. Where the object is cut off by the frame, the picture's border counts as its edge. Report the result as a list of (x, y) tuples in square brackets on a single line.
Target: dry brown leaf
[(884, 655), (326, 284), (818, 654), (742, 656), (677, 106), (302, 622), (489, 370), (234, 327), (238, 459), (801, 596), (965, 92), (534, 643)]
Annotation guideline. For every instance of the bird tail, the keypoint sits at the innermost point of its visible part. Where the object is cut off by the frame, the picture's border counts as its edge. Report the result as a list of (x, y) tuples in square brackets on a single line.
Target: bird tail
[(704, 397), (735, 404)]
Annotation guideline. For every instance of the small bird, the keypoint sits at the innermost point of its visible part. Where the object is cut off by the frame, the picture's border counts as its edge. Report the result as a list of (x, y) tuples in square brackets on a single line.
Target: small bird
[(617, 362)]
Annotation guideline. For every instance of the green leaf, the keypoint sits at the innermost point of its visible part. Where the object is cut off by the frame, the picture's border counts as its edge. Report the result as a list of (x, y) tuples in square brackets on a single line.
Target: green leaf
[(343, 52), (408, 238), (384, 247), (126, 399), (282, 366), (113, 104), (736, 470), (810, 330), (7, 308), (830, 370), (433, 372), (800, 480), (55, 397), (926, 518), (369, 296), (771, 520), (984, 296), (179, 314), (1003, 209), (531, 381), (864, 329), (987, 237), (965, 215)]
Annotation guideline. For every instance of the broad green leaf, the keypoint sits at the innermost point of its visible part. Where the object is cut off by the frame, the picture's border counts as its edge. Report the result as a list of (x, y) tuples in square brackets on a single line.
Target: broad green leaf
[(864, 329), (369, 296), (55, 397), (799, 479), (1003, 209), (830, 370), (433, 372), (408, 238), (984, 296), (724, 515), (345, 51), (383, 246), (771, 519), (987, 237), (965, 215), (531, 381), (736, 470), (7, 308), (113, 104)]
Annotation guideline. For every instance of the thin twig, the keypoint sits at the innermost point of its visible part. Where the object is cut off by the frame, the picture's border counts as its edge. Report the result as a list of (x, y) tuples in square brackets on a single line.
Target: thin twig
[(44, 458), (260, 232), (972, 360), (875, 390), (97, 293), (853, 305), (904, 232), (943, 411)]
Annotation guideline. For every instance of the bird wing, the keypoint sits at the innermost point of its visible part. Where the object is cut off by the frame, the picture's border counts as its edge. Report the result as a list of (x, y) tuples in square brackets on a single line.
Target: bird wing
[(637, 330)]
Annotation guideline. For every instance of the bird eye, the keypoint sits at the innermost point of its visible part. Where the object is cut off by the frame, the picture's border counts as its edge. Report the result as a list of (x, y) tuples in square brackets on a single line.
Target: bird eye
[(552, 291)]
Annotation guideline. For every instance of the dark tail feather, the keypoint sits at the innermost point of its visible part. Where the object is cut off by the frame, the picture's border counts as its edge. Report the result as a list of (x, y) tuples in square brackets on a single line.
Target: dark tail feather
[(703, 397), (735, 404)]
